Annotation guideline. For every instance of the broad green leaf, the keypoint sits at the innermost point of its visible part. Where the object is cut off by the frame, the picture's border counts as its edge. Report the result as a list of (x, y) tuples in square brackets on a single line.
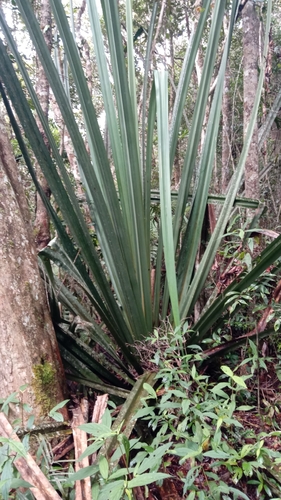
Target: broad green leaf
[(95, 491), (15, 446), (239, 381), (117, 493), (12, 398), (120, 472), (219, 392), (185, 406), (154, 459), (90, 470), (216, 454), (6, 479), (191, 495), (107, 488), (106, 418), (144, 412), (103, 467), (19, 483), (145, 479), (92, 448), (30, 422), (126, 444), (246, 449), (97, 430), (58, 417), (150, 390), (244, 408), (227, 371), (59, 405)]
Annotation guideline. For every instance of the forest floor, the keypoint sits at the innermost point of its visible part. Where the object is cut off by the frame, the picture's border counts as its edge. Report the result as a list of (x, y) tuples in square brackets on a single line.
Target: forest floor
[(247, 460), (264, 418)]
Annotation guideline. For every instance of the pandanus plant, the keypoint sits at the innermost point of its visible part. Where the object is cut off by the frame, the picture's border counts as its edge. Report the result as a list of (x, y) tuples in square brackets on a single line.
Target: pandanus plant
[(129, 297)]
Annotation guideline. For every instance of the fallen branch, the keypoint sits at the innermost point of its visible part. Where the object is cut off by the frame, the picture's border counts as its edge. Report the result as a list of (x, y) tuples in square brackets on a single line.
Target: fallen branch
[(83, 486), (99, 409), (27, 467)]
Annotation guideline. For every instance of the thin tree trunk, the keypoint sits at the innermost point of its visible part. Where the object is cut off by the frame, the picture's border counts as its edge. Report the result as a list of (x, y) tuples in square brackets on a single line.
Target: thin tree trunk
[(28, 348), (42, 221), (250, 71)]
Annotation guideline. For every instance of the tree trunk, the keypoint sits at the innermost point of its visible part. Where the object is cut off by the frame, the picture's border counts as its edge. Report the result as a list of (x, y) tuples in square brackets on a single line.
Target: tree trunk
[(28, 348), (250, 71), (42, 222)]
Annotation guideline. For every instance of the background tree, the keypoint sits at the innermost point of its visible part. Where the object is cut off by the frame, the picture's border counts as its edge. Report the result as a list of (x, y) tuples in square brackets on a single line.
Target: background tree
[(42, 220), (251, 43), (28, 347), (226, 170)]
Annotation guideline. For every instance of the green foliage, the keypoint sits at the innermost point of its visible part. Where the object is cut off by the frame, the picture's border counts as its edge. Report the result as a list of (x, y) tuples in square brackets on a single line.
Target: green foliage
[(196, 436), (128, 279), (200, 417), (5, 403), (15, 400), (109, 479), (131, 275), (11, 483), (9, 476), (53, 413)]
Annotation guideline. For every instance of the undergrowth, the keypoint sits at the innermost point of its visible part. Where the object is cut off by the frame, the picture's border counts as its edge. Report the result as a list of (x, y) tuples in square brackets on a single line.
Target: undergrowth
[(194, 428)]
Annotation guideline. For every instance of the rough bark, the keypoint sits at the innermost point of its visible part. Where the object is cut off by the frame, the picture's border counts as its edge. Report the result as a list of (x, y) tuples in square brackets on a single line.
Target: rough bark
[(42, 222), (250, 71), (28, 344), (83, 487)]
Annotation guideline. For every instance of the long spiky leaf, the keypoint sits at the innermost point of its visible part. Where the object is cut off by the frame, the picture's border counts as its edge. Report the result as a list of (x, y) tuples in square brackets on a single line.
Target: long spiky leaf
[(161, 86), (192, 234), (128, 289), (131, 155), (209, 255)]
